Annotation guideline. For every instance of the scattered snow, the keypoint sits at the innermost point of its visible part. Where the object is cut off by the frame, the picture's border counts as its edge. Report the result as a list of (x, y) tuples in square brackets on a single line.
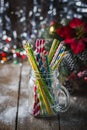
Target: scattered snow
[(23, 110), (3, 99), (8, 116)]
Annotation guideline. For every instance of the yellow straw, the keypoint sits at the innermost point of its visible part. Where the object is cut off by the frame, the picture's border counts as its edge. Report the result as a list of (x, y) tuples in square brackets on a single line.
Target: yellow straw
[(44, 98), (58, 61), (30, 58)]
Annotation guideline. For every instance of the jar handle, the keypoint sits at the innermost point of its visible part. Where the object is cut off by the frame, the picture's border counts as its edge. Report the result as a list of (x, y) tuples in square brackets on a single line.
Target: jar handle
[(62, 100)]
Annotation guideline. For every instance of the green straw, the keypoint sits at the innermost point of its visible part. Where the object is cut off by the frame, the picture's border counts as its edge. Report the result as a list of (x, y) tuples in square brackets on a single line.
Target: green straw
[(42, 105), (48, 72), (53, 49)]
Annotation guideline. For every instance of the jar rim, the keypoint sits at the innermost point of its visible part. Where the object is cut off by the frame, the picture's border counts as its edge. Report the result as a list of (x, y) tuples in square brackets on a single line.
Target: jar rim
[(46, 72), (47, 75)]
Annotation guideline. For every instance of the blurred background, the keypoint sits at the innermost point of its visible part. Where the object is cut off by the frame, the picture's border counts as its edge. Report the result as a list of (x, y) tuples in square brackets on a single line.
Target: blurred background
[(21, 20)]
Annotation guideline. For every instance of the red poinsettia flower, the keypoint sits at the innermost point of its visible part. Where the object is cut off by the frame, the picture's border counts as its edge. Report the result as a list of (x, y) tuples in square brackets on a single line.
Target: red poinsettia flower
[(65, 32), (75, 23), (74, 34), (77, 46)]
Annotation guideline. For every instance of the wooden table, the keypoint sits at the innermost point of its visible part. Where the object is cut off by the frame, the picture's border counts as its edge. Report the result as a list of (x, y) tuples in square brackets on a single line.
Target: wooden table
[(14, 113)]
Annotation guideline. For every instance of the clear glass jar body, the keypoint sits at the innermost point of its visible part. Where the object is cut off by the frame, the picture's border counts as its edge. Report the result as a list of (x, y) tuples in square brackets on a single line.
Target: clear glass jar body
[(47, 96)]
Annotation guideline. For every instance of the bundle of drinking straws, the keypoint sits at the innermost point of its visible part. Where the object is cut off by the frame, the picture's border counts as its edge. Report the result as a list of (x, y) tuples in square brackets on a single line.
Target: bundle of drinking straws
[(43, 63)]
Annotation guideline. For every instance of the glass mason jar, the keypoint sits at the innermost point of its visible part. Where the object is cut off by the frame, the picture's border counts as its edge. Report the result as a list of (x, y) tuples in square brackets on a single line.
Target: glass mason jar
[(47, 96)]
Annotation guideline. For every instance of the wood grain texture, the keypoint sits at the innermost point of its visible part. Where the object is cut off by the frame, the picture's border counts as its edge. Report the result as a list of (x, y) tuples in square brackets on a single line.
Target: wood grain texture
[(76, 117), (9, 80), (25, 120)]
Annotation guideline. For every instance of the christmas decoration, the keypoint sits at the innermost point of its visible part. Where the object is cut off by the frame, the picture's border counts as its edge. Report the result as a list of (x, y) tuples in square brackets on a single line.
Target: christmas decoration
[(74, 35)]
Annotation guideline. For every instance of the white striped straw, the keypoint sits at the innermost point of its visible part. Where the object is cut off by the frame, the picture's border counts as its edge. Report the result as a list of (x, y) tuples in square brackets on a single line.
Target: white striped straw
[(56, 53)]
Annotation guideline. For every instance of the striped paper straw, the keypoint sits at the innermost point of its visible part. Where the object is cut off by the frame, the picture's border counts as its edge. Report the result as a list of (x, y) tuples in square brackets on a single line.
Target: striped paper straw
[(40, 45), (40, 64), (58, 61), (40, 48), (37, 44), (53, 49), (36, 106), (61, 51), (58, 56), (56, 53), (44, 54), (41, 67)]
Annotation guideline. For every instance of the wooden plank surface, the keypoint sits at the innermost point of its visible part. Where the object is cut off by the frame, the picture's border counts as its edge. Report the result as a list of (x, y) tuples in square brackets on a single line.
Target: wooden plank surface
[(14, 97), (25, 120), (76, 116), (9, 81)]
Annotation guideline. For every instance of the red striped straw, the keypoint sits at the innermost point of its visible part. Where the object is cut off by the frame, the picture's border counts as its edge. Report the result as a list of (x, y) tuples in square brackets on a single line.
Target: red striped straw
[(40, 45), (45, 53), (40, 48), (36, 106), (37, 44)]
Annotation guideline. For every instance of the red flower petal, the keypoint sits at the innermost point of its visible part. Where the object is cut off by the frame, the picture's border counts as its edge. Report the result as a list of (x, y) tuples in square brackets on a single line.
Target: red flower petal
[(69, 40), (75, 22), (77, 46), (84, 39), (85, 27), (65, 32), (73, 46)]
